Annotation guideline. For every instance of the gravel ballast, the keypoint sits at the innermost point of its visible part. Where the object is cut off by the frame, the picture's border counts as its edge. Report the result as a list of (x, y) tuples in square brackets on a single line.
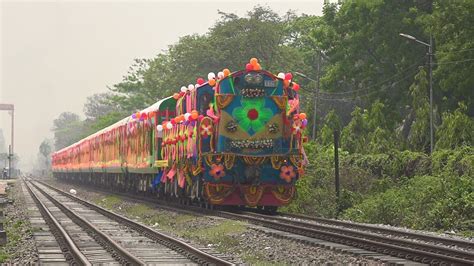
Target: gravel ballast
[(21, 247), (234, 239)]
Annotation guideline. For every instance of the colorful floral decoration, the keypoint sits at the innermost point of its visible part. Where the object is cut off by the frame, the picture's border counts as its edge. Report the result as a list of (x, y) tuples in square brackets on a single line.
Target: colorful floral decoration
[(297, 127), (217, 171), (287, 173), (206, 128), (252, 92), (231, 126), (253, 114), (252, 144)]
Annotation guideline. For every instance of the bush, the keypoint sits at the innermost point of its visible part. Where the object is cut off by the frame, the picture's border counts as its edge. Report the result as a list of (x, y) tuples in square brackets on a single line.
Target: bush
[(424, 202)]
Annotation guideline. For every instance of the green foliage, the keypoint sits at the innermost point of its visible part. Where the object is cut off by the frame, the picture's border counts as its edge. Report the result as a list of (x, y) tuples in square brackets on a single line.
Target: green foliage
[(331, 123), (353, 138), (456, 130), (443, 199), (420, 129), (67, 128), (453, 34)]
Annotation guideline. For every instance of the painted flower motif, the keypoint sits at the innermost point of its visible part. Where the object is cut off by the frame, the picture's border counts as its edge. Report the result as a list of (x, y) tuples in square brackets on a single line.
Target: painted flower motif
[(253, 114), (287, 173), (206, 128), (217, 171)]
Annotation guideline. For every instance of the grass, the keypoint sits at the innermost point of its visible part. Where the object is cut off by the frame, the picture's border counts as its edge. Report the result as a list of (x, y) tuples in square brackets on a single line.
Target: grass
[(109, 202), (15, 230), (222, 235)]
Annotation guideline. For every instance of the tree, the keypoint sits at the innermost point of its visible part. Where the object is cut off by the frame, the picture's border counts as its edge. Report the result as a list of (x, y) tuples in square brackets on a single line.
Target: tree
[(451, 26), (354, 135), (68, 128), (98, 105), (45, 150), (456, 130), (331, 124), (230, 43), (419, 136)]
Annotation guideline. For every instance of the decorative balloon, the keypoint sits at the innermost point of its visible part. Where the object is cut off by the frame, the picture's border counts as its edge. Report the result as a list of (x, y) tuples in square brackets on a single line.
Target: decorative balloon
[(194, 114), (190, 87), (173, 121), (304, 122), (169, 125), (137, 115), (211, 75), (226, 72), (253, 61), (257, 67), (296, 86), (186, 116), (302, 116), (220, 75), (134, 116), (176, 96), (159, 127), (212, 82), (200, 81), (248, 67), (288, 76), (183, 89), (281, 75)]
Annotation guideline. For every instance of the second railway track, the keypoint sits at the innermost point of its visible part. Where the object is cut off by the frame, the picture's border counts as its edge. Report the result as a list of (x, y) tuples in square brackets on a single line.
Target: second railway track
[(90, 234)]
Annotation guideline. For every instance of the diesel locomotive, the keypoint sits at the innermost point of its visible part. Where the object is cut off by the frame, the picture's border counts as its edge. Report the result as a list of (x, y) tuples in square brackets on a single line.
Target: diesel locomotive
[(235, 139)]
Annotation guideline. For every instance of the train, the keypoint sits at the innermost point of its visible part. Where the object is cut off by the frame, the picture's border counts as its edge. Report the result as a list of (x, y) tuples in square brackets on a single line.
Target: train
[(235, 139)]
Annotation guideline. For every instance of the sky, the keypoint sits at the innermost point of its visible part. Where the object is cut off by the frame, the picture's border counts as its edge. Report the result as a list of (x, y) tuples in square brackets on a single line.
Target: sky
[(56, 53)]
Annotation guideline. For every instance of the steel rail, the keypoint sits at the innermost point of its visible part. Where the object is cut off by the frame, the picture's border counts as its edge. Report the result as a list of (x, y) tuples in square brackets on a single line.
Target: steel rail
[(72, 249), (182, 247), (323, 233), (398, 247), (413, 235), (125, 257)]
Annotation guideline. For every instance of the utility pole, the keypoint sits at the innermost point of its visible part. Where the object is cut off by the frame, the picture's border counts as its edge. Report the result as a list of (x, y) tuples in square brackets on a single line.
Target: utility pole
[(10, 107), (430, 53), (10, 159), (336, 170)]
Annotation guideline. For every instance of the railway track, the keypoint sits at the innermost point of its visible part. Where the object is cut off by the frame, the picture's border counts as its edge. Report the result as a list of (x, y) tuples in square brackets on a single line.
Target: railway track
[(445, 241), (362, 237), (89, 234), (408, 246)]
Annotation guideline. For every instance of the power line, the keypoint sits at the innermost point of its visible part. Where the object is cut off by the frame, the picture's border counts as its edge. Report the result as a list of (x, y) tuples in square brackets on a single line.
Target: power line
[(455, 51), (375, 85), (454, 62), (369, 93)]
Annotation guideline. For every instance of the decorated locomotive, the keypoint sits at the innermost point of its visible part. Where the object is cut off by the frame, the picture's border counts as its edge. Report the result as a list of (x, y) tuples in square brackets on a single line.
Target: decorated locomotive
[(233, 140)]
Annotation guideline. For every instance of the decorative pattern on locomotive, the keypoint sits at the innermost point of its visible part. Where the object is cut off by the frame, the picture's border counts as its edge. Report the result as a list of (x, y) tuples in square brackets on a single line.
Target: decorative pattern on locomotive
[(233, 140)]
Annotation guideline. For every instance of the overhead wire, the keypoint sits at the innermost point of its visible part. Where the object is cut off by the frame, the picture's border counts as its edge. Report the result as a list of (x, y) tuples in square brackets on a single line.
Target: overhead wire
[(454, 62), (374, 85), (369, 93)]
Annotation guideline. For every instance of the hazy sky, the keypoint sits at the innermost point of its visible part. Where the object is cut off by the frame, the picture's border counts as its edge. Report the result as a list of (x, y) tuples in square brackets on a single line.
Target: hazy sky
[(56, 53)]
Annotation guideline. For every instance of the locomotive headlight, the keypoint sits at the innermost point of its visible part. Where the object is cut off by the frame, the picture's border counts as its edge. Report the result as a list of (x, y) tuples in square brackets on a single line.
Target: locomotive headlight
[(249, 78), (253, 79)]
